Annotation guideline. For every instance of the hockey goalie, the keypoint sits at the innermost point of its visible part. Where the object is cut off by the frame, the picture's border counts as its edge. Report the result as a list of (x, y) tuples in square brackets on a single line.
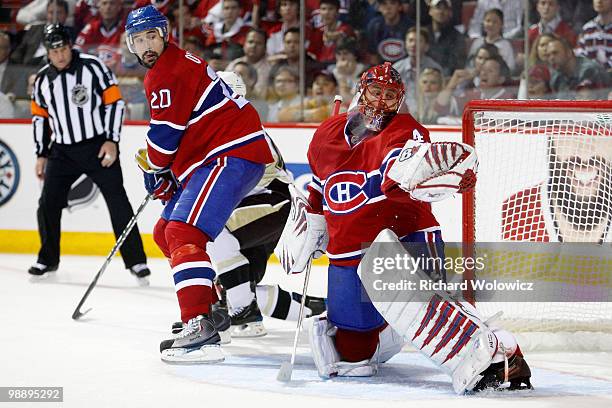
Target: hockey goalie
[(375, 173)]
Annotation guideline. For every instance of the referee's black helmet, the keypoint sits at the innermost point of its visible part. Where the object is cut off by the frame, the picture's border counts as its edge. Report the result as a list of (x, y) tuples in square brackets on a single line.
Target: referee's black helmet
[(56, 36)]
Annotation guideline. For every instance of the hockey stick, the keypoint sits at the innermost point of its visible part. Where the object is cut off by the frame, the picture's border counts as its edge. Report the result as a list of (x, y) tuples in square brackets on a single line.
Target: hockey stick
[(285, 370), (77, 314), (337, 102)]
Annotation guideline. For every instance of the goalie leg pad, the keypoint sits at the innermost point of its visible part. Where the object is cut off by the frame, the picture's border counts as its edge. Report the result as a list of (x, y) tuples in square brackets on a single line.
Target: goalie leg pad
[(323, 347), (449, 332), (390, 343)]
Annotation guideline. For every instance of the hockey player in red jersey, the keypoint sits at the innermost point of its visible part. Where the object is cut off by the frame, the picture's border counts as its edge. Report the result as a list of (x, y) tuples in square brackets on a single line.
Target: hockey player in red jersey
[(205, 151), (375, 172)]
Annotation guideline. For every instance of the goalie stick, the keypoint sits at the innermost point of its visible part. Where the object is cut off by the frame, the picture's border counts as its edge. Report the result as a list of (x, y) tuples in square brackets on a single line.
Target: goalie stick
[(286, 368), (77, 314)]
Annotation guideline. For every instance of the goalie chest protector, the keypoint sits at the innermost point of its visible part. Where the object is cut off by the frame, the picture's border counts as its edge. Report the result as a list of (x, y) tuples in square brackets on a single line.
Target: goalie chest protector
[(358, 200)]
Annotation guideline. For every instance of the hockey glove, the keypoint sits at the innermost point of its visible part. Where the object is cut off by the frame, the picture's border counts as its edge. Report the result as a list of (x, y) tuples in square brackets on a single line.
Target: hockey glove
[(434, 171), (304, 236), (161, 184)]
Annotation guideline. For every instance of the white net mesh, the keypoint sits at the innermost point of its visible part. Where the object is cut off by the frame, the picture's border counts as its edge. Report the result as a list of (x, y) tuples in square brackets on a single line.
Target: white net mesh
[(546, 177)]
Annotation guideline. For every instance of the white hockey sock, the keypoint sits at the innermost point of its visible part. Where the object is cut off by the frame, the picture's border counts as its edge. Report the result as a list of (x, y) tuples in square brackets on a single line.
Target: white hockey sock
[(240, 296), (275, 302), (266, 298), (294, 310)]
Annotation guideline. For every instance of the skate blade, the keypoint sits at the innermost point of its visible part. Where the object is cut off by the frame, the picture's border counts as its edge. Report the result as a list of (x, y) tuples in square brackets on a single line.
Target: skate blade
[(40, 278), (142, 282), (226, 336), (208, 354), (284, 372), (249, 330)]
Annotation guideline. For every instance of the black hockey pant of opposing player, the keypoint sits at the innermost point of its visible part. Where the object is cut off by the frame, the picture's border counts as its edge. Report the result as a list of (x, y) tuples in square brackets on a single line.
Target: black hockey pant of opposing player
[(64, 165), (257, 239)]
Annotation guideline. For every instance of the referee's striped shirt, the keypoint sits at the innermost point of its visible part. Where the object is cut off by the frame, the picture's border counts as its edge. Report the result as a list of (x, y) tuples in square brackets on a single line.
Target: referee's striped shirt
[(79, 103)]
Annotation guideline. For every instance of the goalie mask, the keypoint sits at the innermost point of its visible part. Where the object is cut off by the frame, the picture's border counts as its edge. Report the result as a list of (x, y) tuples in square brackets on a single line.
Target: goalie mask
[(381, 95)]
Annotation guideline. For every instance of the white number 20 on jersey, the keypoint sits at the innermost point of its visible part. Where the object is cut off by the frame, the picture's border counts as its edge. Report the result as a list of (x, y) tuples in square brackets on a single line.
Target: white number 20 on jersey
[(160, 100)]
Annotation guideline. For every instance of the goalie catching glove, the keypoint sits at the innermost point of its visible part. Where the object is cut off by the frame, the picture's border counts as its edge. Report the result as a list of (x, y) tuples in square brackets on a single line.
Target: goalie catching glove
[(161, 184), (304, 236), (434, 171)]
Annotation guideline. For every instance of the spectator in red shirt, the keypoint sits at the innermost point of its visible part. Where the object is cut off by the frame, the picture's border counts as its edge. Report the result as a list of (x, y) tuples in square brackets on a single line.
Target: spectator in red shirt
[(191, 29), (551, 22), (102, 37), (84, 12), (162, 5), (323, 40)]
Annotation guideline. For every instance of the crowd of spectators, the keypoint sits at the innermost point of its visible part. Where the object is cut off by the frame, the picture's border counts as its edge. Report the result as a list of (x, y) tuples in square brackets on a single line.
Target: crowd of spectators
[(463, 50)]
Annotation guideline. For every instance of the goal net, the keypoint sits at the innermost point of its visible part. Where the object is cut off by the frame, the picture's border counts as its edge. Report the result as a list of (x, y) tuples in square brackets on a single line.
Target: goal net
[(545, 176)]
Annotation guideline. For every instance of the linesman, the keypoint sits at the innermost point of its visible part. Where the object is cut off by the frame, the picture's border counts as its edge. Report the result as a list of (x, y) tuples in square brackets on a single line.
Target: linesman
[(77, 113)]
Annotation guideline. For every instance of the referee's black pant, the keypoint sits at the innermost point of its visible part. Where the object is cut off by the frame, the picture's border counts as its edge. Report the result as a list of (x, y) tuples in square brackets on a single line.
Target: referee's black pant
[(64, 165)]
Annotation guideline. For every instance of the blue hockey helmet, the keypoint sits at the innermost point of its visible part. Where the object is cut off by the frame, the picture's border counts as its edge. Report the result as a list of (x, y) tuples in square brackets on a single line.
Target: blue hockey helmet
[(142, 19)]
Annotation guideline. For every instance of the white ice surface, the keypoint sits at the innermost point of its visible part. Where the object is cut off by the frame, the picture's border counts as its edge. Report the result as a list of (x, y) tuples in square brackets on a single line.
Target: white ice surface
[(111, 359)]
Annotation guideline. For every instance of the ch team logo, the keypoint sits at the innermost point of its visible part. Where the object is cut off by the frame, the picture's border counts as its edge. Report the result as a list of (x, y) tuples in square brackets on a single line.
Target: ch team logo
[(109, 55), (392, 49), (9, 173), (344, 191), (80, 95)]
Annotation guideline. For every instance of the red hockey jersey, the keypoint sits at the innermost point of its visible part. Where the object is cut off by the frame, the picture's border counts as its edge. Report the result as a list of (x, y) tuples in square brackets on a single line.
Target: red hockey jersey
[(195, 117), (350, 186), (97, 40), (523, 218)]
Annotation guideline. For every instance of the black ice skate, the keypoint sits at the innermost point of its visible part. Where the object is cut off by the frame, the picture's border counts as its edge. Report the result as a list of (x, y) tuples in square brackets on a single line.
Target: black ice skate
[(247, 321), (197, 343), (494, 377), (316, 305), (142, 273), (220, 319), (41, 271)]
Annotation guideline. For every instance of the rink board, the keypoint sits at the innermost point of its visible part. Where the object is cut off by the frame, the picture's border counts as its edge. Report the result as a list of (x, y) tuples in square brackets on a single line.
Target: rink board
[(87, 228)]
